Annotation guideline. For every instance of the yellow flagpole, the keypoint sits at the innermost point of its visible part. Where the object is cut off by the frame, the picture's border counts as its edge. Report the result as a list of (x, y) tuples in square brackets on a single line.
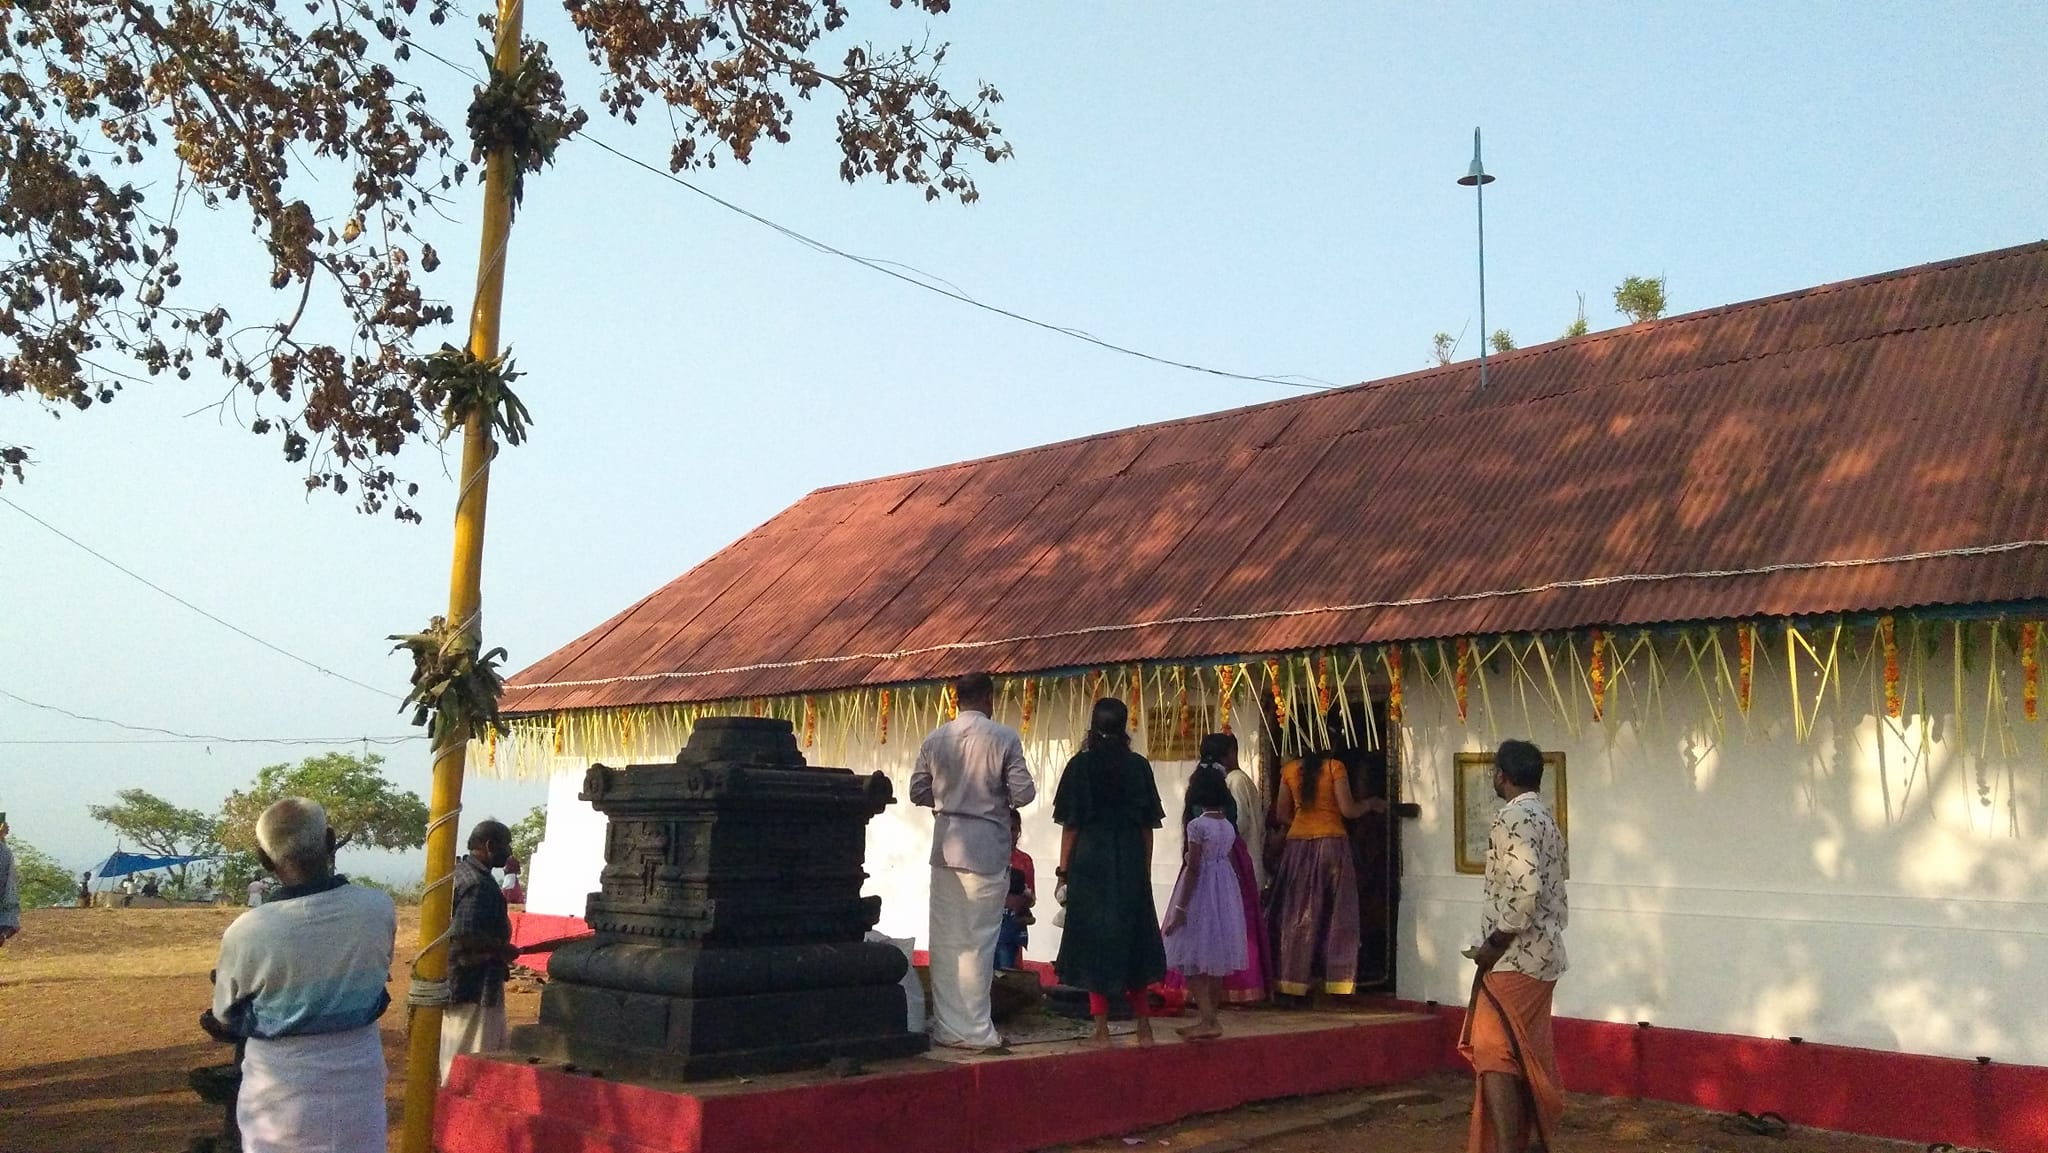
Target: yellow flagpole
[(465, 602)]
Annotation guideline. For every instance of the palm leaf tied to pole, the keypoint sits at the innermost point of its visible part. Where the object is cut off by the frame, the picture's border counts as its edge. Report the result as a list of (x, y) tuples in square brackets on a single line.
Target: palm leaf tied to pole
[(465, 601)]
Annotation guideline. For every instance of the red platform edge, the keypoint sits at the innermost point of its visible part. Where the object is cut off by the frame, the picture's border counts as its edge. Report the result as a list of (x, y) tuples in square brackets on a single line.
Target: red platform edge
[(1897, 1096), (1008, 1106), (495, 1107)]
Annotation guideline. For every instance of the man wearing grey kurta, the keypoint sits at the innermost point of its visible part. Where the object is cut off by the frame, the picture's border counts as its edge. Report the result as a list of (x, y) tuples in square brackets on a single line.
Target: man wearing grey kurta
[(971, 773)]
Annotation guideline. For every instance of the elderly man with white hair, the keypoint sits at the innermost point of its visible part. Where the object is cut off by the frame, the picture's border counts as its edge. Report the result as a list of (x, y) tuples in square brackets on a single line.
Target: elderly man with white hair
[(301, 978)]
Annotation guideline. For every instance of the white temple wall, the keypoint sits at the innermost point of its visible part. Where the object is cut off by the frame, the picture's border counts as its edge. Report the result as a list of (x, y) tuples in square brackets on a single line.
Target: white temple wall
[(1855, 888), (571, 853)]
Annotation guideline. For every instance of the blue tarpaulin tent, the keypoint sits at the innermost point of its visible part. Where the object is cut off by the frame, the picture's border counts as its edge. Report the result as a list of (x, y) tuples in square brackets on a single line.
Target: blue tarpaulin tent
[(121, 864)]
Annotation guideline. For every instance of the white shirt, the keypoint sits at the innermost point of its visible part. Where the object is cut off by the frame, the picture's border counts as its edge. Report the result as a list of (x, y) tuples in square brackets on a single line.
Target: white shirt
[(1251, 819), (255, 893), (1526, 868), (971, 772)]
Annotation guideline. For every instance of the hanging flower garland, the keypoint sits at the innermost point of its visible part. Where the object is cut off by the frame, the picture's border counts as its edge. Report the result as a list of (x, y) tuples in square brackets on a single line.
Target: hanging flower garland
[(1598, 674), (1894, 700), (1323, 684), (810, 722), (1745, 664), (951, 701), (1279, 695), (1136, 686), (1183, 710), (1226, 684), (882, 718), (2030, 672), (1462, 679), (1030, 705), (1392, 657)]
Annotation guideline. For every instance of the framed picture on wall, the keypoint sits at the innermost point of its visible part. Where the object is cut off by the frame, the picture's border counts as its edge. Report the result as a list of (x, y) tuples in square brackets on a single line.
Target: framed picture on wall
[(1477, 804)]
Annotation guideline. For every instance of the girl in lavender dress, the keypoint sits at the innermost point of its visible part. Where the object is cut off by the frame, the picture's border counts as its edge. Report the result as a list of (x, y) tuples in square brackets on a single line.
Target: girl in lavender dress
[(1204, 929)]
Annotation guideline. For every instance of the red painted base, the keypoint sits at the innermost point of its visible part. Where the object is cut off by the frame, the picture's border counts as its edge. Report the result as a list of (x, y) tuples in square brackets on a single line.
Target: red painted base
[(533, 928), (1001, 1106), (1900, 1096)]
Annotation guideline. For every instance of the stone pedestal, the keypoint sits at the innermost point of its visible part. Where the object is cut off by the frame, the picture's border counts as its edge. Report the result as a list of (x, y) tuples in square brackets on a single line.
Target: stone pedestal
[(729, 921)]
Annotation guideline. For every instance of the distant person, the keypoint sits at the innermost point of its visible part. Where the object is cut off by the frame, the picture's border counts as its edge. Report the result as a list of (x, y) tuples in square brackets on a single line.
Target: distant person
[(1107, 807), (10, 889), (971, 773), (1204, 928), (150, 887), (128, 890), (256, 888), (85, 890), (480, 951), (1518, 1098), (301, 979), (1249, 802), (1017, 915), (515, 889)]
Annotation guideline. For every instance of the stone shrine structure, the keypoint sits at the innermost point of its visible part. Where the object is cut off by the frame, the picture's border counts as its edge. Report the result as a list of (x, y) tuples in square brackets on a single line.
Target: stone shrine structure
[(729, 923)]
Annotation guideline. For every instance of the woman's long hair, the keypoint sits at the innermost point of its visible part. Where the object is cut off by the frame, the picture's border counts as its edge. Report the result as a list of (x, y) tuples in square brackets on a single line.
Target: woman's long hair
[(1311, 776), (1109, 727), (1109, 739)]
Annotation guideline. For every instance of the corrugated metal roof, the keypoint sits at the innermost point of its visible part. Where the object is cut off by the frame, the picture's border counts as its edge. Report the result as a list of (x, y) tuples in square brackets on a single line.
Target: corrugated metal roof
[(1829, 438)]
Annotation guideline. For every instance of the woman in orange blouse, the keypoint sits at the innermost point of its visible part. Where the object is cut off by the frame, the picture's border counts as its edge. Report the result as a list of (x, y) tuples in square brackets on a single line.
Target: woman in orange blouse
[(1315, 893)]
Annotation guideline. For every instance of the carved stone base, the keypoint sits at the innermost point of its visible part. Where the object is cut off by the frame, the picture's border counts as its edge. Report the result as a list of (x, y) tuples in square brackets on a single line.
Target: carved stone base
[(685, 1013)]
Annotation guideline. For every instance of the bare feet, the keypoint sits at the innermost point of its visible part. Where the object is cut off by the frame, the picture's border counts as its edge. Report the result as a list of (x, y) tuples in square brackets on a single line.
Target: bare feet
[(1099, 1039), (1145, 1031), (1201, 1033)]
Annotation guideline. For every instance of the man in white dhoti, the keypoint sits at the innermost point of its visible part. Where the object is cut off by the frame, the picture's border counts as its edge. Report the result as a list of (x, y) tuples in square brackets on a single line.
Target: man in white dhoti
[(480, 951), (301, 979), (971, 772)]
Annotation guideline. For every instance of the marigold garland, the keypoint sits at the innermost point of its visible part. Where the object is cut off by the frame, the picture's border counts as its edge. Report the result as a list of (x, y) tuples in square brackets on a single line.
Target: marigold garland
[(1323, 685), (1279, 697), (1226, 681), (882, 718), (1894, 701), (2030, 672), (952, 700), (1745, 666), (1393, 658), (1462, 678), (1185, 711), (1136, 685), (810, 721), (1030, 705), (1598, 673)]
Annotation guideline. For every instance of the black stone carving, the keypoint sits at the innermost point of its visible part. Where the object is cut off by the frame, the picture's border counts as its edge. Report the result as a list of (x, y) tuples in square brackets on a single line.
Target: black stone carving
[(729, 922)]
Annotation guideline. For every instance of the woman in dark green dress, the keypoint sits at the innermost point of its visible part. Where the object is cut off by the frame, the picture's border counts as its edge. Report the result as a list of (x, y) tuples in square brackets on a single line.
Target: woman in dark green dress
[(1107, 806)]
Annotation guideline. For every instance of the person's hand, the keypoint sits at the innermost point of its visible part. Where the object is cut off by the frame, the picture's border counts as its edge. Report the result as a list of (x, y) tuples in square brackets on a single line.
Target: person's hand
[(1487, 955)]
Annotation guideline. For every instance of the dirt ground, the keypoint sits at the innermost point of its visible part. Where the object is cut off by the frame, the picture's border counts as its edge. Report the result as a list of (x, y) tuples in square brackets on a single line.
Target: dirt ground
[(98, 1029), (99, 1025)]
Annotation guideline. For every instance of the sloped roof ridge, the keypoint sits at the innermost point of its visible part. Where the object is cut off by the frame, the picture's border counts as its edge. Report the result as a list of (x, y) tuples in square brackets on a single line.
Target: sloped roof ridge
[(1529, 352)]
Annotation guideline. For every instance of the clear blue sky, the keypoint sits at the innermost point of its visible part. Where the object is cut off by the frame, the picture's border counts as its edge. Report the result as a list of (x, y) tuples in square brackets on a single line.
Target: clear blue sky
[(1267, 192)]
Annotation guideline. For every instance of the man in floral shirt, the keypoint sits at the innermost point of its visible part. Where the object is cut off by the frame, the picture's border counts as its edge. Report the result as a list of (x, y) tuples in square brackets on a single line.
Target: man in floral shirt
[(1519, 1098)]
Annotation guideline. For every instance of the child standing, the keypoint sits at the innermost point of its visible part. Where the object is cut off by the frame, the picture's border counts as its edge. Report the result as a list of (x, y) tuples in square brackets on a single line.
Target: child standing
[(1204, 928)]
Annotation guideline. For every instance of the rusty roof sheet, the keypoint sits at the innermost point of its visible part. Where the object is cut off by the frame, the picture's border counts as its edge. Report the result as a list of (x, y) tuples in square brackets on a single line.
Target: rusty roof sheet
[(1866, 445)]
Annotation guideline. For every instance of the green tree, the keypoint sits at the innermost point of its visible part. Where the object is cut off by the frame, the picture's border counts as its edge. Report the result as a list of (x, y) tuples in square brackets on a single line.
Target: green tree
[(313, 127), (1443, 347), (1640, 298), (363, 808), (1501, 340), (148, 822), (527, 833), (39, 880)]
